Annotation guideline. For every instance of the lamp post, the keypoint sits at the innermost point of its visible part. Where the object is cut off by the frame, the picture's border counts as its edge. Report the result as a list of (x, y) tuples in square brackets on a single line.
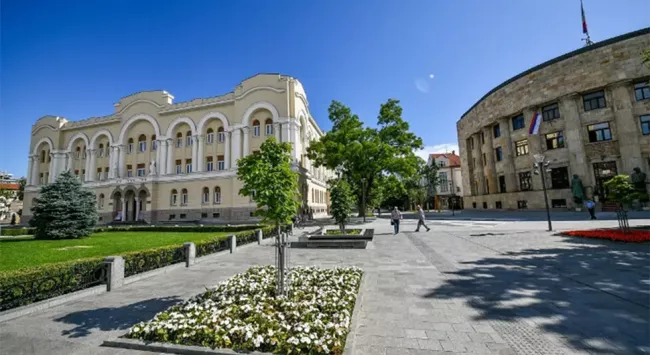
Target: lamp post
[(540, 168), (363, 198)]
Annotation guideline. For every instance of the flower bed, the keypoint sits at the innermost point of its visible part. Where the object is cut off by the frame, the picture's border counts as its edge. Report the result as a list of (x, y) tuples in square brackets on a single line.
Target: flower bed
[(338, 231), (242, 313), (612, 234)]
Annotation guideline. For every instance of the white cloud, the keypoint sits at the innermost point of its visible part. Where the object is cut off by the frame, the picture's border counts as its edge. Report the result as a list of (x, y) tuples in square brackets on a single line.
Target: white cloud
[(438, 148)]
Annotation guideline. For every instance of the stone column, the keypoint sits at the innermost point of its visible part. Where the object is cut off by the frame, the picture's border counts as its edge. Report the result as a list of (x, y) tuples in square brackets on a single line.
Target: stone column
[(226, 154), (30, 167), (113, 163), (121, 165), (170, 155), (35, 163), (123, 208), (286, 127), (508, 155), (195, 153), (479, 176), (232, 242), (534, 147), (236, 146), (190, 253), (115, 274), (200, 155), (91, 157), (489, 170), (573, 138), (246, 148), (159, 157), (52, 175), (162, 157), (138, 205), (277, 126), (626, 132)]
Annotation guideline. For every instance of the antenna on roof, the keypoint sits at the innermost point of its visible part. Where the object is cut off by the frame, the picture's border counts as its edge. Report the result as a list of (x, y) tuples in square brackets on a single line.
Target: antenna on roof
[(585, 31)]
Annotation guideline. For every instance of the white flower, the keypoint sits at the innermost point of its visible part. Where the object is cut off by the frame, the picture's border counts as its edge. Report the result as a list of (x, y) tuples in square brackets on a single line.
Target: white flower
[(305, 340)]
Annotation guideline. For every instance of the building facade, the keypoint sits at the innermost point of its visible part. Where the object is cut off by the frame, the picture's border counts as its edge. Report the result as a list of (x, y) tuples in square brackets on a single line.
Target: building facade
[(159, 161), (449, 192), (595, 108)]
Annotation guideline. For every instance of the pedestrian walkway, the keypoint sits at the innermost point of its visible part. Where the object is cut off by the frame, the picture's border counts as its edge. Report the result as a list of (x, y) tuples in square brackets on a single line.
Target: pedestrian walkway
[(451, 291)]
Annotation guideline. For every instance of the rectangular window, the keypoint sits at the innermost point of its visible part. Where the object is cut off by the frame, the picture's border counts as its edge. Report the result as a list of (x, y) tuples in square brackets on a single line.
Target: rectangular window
[(142, 146), (554, 140), (525, 181), (154, 145), (179, 142), (221, 136), (499, 153), (485, 205), (217, 196), (174, 199), (188, 141), (172, 216), (522, 204), (209, 165), (129, 148), (443, 183), (179, 167), (129, 171), (518, 122), (184, 199), (502, 184), (221, 163), (141, 171), (99, 174), (594, 100), (550, 112), (269, 129), (599, 132), (216, 215), (188, 166), (521, 147), (645, 124), (204, 215), (560, 178), (496, 129), (558, 203), (498, 205), (642, 91), (256, 131), (183, 215), (209, 138), (473, 204)]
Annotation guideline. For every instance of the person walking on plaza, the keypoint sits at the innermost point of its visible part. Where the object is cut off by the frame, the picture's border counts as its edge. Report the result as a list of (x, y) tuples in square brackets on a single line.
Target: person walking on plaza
[(421, 218), (395, 217), (591, 208)]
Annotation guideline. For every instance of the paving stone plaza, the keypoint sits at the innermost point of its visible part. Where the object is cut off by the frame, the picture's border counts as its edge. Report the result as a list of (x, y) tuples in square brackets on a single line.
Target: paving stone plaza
[(465, 287)]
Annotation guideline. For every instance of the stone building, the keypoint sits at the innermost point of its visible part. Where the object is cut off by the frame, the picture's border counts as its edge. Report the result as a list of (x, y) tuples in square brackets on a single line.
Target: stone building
[(449, 192), (595, 107), (156, 160)]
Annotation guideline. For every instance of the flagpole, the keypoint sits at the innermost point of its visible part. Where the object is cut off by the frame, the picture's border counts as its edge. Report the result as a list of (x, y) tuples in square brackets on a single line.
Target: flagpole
[(585, 30)]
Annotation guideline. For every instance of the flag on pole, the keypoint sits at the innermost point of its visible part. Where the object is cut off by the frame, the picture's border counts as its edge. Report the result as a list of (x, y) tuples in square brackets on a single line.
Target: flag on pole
[(584, 19), (535, 123)]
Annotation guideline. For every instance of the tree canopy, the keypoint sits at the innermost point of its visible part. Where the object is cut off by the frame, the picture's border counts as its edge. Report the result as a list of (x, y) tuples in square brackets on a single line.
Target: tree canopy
[(342, 201), (268, 178), (364, 152), (64, 209)]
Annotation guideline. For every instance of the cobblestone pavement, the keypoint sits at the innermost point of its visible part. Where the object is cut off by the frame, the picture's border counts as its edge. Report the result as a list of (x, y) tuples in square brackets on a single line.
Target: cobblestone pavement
[(507, 288)]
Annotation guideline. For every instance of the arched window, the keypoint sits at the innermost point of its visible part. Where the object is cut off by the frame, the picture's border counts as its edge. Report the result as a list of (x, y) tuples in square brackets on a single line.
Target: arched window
[(100, 201), (142, 143), (83, 154), (173, 198), (42, 156), (217, 195), (77, 154), (129, 147), (100, 150), (188, 138), (269, 126), (184, 197), (154, 143), (221, 135), (179, 140), (256, 128), (209, 137), (206, 195)]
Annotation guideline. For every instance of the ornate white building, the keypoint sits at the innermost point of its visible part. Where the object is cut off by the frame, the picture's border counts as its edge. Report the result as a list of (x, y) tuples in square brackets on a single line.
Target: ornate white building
[(155, 160)]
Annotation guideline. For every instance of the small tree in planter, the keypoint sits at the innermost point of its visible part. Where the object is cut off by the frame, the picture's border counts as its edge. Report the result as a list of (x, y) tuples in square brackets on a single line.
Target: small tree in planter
[(63, 210), (620, 190), (269, 180), (342, 201)]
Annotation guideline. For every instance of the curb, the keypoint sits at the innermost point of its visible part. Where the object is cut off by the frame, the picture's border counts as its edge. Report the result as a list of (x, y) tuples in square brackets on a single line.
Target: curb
[(351, 338), (134, 344)]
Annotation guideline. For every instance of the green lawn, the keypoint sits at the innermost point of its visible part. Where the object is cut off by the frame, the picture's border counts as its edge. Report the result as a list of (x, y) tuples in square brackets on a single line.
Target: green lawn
[(18, 253)]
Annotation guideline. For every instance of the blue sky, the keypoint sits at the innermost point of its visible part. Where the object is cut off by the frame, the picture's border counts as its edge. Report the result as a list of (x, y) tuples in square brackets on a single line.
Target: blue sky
[(76, 58)]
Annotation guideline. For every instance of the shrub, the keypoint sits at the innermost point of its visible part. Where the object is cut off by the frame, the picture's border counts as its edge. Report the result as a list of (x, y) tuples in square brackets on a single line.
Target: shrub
[(17, 231), (25, 286), (64, 209), (150, 259)]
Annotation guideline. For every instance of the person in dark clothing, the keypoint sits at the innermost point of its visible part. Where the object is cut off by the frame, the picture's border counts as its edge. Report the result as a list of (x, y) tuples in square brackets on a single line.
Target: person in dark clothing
[(591, 207)]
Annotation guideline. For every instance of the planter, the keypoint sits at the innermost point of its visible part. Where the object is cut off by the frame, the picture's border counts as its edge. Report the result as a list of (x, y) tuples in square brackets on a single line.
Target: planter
[(578, 209)]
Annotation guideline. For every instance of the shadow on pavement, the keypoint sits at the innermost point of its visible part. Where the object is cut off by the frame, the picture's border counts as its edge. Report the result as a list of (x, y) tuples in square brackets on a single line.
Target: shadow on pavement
[(114, 318), (595, 294)]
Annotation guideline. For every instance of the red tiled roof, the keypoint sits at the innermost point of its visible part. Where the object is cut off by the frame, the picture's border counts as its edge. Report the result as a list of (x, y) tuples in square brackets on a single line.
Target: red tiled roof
[(454, 160), (9, 186)]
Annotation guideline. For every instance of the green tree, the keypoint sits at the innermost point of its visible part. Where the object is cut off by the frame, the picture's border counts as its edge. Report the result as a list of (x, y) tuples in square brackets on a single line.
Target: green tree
[(21, 189), (64, 209), (367, 153), (431, 179), (268, 178), (620, 190), (341, 200)]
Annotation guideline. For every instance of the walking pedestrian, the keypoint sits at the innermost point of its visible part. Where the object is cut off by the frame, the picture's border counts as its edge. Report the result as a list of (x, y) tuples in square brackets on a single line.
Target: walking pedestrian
[(395, 217), (591, 206), (421, 218)]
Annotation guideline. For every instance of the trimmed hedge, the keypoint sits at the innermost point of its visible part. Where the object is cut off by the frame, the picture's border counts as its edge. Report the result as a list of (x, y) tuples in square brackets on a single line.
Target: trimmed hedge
[(17, 231), (25, 286), (211, 228)]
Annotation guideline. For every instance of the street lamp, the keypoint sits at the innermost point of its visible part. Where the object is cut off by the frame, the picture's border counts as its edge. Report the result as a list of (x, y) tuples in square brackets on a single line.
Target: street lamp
[(363, 197), (540, 168)]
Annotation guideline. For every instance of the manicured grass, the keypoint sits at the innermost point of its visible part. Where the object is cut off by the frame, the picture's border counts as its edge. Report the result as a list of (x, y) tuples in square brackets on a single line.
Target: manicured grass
[(18, 253), (338, 231)]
